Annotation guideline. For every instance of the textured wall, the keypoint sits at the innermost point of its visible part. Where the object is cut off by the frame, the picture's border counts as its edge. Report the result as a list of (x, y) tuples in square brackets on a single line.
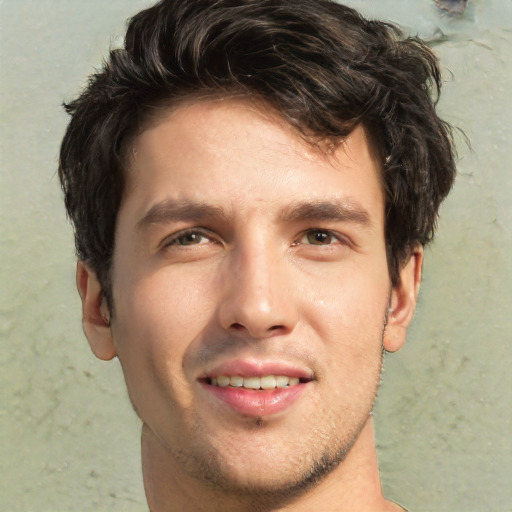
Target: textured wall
[(69, 440)]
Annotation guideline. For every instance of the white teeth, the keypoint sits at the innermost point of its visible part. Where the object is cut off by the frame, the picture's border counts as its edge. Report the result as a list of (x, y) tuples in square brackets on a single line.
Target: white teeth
[(236, 381), (282, 382), (252, 382), (266, 382), (222, 381)]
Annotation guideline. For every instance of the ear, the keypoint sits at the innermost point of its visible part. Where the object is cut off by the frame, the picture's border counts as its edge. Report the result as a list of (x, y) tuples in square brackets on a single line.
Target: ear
[(95, 314), (403, 301)]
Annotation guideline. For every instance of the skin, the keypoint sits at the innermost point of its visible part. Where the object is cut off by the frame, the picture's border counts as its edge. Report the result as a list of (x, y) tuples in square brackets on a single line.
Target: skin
[(265, 275)]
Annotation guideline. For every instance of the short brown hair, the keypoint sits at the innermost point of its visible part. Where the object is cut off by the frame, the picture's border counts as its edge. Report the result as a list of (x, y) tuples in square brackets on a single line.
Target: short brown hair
[(321, 65)]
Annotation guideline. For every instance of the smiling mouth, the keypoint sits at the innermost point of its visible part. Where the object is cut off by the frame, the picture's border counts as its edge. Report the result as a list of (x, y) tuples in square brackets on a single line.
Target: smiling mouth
[(265, 382), (256, 393)]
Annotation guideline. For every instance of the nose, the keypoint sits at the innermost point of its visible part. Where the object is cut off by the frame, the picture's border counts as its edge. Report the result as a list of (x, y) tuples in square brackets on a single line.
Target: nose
[(258, 300)]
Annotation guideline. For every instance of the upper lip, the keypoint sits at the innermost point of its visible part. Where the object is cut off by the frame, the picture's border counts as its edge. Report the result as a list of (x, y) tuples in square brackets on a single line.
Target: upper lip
[(256, 368)]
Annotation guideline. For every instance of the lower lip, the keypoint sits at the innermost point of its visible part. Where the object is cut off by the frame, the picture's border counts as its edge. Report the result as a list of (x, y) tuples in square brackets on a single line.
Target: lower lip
[(249, 402)]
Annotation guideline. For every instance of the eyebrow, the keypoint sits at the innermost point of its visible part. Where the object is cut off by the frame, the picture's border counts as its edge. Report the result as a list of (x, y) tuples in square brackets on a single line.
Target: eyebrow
[(338, 211), (173, 211), (170, 210)]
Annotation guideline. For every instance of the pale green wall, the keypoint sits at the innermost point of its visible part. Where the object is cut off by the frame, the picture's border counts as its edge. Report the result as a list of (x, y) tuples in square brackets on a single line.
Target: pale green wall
[(69, 441)]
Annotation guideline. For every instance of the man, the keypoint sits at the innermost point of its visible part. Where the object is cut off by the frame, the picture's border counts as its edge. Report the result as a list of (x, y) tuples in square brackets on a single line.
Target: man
[(251, 185)]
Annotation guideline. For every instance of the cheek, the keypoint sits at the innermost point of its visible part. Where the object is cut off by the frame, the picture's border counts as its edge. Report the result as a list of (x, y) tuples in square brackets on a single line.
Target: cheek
[(346, 316), (347, 320), (157, 319), (351, 299), (166, 305)]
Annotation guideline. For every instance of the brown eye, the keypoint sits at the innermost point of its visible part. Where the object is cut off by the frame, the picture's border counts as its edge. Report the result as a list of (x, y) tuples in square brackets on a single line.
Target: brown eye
[(319, 237), (191, 238)]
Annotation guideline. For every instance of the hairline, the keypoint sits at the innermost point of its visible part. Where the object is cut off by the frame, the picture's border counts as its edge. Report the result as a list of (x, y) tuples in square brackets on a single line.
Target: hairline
[(160, 110)]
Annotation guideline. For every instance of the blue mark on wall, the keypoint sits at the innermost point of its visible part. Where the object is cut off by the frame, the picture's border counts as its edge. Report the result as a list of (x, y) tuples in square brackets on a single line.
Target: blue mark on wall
[(453, 7)]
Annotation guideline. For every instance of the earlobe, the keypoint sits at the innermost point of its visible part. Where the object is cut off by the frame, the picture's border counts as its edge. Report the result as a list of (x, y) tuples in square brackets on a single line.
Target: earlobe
[(403, 301), (95, 314)]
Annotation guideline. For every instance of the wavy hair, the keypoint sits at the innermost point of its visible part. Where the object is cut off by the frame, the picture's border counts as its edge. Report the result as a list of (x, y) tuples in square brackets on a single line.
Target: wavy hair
[(321, 65)]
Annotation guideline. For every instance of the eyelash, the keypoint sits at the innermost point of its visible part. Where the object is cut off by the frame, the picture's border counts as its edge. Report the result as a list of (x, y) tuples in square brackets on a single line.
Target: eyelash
[(174, 239), (333, 236)]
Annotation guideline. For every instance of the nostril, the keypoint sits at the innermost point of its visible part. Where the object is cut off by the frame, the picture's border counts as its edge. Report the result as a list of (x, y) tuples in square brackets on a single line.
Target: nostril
[(256, 333)]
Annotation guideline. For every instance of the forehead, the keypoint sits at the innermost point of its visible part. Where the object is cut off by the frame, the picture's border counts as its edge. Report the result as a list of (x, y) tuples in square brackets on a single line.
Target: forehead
[(234, 152)]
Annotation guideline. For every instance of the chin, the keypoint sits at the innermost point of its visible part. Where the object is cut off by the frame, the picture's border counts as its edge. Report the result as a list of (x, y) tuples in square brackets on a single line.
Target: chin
[(268, 476)]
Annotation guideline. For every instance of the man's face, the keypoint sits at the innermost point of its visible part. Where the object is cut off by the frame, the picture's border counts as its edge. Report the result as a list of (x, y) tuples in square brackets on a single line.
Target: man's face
[(244, 258)]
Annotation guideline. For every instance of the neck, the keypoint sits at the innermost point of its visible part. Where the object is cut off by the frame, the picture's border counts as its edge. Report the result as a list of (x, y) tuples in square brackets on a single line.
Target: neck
[(353, 485)]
